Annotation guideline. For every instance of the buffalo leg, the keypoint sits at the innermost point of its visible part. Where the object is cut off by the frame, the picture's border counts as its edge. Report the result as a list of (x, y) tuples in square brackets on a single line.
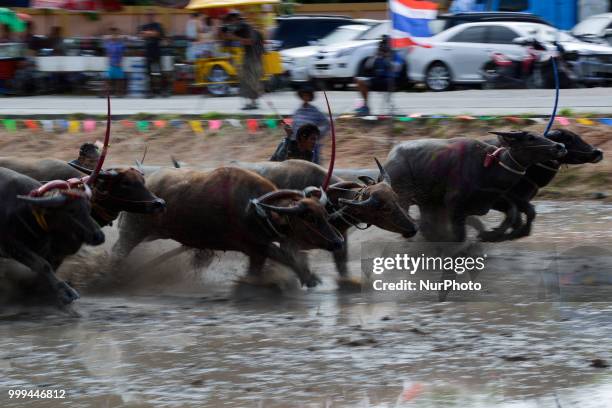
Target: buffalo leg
[(525, 229), (291, 259), (458, 227), (64, 293), (512, 217), (340, 259), (256, 263)]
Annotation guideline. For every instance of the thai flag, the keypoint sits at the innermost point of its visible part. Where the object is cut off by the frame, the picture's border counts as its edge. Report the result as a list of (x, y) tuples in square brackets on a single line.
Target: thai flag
[(410, 18)]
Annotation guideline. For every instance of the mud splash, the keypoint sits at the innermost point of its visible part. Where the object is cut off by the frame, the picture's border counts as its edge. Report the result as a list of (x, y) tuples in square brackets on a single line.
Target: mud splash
[(178, 338)]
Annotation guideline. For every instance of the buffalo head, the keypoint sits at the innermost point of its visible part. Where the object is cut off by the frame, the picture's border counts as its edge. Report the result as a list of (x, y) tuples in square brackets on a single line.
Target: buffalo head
[(374, 202), (301, 215), (578, 151), (61, 210), (123, 189), (527, 148)]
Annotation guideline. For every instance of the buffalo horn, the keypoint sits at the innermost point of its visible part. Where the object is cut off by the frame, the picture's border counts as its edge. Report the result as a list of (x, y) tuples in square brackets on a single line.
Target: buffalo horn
[(80, 168), (47, 202), (296, 209), (278, 194), (357, 203), (383, 176), (319, 192), (345, 185)]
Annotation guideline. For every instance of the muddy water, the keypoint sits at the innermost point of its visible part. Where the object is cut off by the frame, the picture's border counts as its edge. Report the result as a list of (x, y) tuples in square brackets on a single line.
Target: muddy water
[(176, 339)]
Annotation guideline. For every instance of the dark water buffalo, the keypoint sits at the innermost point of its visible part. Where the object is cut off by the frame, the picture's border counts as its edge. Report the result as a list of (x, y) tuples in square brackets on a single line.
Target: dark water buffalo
[(232, 209), (537, 177), (40, 225), (371, 202), (114, 190), (452, 179)]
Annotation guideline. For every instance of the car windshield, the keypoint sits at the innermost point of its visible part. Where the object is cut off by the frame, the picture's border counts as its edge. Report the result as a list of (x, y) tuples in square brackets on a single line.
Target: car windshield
[(546, 33), (591, 26), (376, 32), (346, 33)]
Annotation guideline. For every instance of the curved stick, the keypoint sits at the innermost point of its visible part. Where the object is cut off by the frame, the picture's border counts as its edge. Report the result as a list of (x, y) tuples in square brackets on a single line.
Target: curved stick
[(100, 163), (332, 160), (554, 112)]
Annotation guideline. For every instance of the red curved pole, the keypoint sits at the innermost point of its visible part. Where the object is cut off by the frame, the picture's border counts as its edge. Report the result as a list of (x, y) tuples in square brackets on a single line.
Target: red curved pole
[(98, 168), (332, 160)]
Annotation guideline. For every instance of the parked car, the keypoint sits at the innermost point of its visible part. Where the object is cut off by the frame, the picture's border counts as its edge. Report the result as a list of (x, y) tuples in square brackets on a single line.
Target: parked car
[(456, 56), (296, 61), (340, 63), (300, 30), (446, 21), (597, 28)]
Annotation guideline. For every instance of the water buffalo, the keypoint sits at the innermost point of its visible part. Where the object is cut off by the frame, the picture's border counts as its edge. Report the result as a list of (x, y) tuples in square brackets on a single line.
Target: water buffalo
[(40, 225), (452, 179), (371, 202), (232, 209), (114, 190), (536, 177)]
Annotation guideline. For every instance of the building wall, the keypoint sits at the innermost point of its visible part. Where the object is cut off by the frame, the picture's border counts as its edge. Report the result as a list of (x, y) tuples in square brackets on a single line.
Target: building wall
[(588, 8)]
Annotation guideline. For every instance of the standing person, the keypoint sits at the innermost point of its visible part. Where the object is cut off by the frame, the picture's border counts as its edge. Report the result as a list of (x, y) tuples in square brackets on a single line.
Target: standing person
[(192, 33), (251, 70), (55, 41), (308, 114), (153, 34), (383, 73), (5, 34), (114, 50), (303, 147)]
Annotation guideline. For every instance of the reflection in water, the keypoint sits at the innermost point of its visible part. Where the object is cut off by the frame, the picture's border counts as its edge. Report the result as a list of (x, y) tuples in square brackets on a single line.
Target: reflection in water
[(210, 347)]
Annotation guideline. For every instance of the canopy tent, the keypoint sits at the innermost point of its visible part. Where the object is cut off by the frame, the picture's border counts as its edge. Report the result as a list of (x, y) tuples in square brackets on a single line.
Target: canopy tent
[(207, 4), (77, 5), (9, 18)]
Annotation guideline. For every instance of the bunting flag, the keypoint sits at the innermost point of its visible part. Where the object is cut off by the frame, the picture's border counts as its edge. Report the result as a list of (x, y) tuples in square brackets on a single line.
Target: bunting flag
[(271, 123), (252, 125), (10, 124), (585, 121), (176, 123), (563, 121), (89, 125), (47, 125), (142, 125), (410, 18), (465, 117), (606, 121), (74, 126), (127, 123), (215, 124), (160, 124), (234, 122), (31, 124), (196, 126), (62, 124)]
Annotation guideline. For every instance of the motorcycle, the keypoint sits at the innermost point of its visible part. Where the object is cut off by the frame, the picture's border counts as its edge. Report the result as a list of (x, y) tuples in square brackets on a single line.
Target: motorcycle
[(534, 70)]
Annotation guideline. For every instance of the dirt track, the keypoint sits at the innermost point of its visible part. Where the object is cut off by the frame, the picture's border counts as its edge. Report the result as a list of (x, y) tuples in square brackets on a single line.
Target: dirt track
[(358, 141)]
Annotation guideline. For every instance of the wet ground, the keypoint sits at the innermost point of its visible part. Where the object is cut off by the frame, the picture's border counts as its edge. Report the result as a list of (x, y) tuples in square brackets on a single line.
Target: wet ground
[(178, 338)]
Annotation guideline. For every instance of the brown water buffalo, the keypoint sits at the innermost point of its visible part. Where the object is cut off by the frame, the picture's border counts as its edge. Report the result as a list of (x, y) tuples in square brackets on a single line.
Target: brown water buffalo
[(40, 225), (232, 209), (537, 177), (371, 202), (452, 179), (114, 190)]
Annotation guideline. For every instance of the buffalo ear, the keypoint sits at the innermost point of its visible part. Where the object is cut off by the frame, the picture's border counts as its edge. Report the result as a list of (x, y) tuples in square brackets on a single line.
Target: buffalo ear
[(367, 180), (509, 138)]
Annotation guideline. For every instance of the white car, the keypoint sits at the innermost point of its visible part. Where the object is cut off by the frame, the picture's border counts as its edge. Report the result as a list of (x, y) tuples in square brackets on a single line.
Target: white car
[(457, 55), (340, 63), (296, 61)]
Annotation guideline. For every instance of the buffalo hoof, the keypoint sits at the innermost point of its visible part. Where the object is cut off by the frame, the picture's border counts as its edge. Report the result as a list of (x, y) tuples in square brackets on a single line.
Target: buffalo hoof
[(347, 284), (312, 281), (66, 294)]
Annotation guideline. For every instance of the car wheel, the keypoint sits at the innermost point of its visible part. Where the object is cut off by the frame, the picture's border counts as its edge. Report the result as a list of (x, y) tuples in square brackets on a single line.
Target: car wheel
[(218, 77), (438, 77)]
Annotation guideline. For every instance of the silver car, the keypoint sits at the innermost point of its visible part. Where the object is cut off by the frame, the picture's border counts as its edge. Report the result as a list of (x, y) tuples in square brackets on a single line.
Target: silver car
[(456, 55)]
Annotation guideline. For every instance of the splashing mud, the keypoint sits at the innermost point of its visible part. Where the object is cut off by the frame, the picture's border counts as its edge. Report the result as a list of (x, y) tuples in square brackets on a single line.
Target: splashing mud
[(177, 336)]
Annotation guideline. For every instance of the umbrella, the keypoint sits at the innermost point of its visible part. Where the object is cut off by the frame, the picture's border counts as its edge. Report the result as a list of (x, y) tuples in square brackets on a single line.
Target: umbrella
[(204, 4), (77, 5), (9, 18)]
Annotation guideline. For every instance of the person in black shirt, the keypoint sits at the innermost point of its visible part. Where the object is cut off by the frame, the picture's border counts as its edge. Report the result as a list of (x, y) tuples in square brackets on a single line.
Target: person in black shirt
[(88, 156), (302, 147), (153, 34)]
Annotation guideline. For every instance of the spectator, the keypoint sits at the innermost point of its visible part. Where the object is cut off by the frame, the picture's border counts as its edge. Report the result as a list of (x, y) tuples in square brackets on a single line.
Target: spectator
[(5, 34), (114, 50), (302, 147), (88, 156), (251, 70), (308, 114), (153, 34), (55, 41), (383, 72), (32, 41), (193, 27)]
